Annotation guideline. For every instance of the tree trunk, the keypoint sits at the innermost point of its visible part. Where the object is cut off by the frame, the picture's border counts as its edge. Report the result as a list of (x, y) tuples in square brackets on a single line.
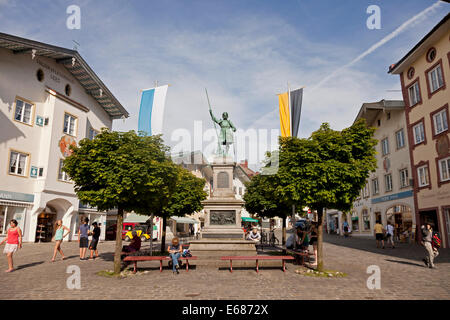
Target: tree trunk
[(117, 262), (283, 237), (151, 234), (163, 236), (320, 239)]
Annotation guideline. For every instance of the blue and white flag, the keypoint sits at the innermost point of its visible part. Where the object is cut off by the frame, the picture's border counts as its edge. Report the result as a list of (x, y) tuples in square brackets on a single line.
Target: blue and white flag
[(151, 111)]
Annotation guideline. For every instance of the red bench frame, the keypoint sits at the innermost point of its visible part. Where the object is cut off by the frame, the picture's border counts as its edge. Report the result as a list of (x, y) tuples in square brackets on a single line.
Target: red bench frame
[(135, 259), (257, 258)]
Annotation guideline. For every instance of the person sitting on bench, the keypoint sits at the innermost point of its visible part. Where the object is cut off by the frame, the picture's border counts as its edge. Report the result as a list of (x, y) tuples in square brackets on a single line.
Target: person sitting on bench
[(254, 235), (135, 244), (175, 250)]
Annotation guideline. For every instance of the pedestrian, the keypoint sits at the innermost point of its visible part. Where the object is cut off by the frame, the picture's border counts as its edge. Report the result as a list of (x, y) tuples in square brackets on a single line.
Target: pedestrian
[(432, 252), (58, 237), (94, 241), (13, 242), (345, 227), (379, 233), (254, 235), (390, 234), (175, 253), (83, 237)]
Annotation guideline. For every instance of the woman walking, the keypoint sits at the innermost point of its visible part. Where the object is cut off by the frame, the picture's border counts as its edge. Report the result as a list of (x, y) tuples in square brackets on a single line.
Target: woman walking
[(58, 237), (13, 242), (313, 241)]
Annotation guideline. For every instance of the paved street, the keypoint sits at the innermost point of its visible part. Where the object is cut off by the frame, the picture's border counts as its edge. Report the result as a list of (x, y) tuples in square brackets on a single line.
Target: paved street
[(403, 276)]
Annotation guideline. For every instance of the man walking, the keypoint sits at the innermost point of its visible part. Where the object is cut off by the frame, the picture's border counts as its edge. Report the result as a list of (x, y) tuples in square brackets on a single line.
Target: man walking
[(83, 238), (379, 236), (390, 234), (432, 253)]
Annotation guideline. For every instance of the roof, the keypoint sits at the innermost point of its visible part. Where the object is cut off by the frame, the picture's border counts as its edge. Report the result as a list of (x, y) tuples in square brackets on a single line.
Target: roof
[(75, 64), (436, 33), (370, 110)]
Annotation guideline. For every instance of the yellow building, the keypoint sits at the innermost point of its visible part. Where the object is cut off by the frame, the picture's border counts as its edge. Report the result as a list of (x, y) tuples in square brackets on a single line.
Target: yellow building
[(423, 72)]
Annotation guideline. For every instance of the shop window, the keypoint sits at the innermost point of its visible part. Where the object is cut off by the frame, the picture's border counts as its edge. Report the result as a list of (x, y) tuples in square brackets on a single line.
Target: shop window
[(366, 219), (18, 163), (23, 112), (355, 222), (2, 219)]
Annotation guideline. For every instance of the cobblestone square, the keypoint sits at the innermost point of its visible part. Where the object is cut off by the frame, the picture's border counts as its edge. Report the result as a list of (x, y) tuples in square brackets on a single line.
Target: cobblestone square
[(403, 276)]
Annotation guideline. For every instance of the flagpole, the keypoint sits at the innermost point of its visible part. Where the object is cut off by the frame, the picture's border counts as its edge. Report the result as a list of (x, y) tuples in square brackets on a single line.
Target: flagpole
[(290, 128)]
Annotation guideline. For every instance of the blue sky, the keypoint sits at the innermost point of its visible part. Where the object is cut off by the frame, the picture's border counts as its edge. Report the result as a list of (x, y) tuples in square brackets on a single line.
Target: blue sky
[(244, 52)]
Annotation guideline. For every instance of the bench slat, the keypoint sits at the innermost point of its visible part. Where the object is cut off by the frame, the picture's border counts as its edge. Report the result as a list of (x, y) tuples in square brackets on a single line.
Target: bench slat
[(257, 258), (154, 258)]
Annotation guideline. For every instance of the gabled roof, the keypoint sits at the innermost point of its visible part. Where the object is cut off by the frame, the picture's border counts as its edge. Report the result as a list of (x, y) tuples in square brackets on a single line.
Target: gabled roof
[(370, 110), (436, 33), (75, 64)]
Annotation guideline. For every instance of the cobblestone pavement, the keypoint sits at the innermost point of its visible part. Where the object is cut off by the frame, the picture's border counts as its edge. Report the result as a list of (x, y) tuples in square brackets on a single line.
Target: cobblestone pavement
[(403, 276)]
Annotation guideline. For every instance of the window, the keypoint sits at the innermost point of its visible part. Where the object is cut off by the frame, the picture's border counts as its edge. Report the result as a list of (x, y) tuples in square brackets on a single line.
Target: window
[(388, 115), (62, 175), (422, 173), (435, 78), (440, 122), (23, 111), (414, 94), (366, 190), (67, 90), (388, 182), (375, 186), (419, 133), (40, 75), (41, 172), (17, 163), (444, 169), (355, 222), (404, 182), (92, 133), (447, 215), (366, 219), (385, 146), (431, 54), (400, 137), (69, 124)]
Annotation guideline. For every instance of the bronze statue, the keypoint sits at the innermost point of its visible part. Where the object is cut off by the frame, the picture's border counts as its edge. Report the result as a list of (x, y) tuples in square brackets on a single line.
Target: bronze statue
[(226, 136)]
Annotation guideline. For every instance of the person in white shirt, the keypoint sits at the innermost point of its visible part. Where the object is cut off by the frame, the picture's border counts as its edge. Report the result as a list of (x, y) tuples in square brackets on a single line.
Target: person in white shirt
[(390, 234), (254, 235)]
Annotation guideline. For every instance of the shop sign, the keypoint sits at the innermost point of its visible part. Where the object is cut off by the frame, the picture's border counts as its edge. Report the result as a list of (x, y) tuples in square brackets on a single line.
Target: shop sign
[(391, 197), (33, 172), (16, 196), (39, 121)]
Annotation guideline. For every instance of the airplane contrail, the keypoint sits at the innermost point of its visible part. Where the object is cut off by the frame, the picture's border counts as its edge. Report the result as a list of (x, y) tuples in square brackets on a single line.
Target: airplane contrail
[(387, 38)]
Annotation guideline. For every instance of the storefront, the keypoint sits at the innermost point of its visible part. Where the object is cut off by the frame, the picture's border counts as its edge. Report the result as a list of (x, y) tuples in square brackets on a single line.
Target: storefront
[(355, 222), (14, 205), (400, 216)]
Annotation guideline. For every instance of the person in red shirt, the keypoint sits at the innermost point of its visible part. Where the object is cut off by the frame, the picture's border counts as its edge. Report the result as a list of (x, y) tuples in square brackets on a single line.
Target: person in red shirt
[(13, 242)]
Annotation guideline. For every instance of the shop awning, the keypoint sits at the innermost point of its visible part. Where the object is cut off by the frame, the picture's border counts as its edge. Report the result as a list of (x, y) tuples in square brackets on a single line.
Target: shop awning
[(248, 219), (354, 218), (133, 217), (184, 220)]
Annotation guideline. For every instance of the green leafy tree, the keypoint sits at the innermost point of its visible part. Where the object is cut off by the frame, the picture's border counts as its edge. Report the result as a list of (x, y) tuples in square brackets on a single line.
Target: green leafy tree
[(262, 198), (121, 170), (186, 198), (327, 170)]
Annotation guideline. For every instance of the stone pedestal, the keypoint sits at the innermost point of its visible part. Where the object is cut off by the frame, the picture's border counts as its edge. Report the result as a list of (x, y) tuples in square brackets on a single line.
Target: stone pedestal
[(222, 234)]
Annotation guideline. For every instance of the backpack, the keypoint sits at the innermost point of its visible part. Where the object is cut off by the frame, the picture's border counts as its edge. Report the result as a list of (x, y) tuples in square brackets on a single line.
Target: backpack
[(186, 253), (436, 240)]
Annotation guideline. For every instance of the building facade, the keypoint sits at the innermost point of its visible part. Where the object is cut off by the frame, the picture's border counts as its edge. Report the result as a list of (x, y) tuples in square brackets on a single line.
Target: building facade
[(49, 99), (424, 72), (388, 193)]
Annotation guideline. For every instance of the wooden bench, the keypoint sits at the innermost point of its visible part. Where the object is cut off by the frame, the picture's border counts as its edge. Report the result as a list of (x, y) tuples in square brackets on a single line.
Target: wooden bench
[(300, 254), (257, 258), (135, 259)]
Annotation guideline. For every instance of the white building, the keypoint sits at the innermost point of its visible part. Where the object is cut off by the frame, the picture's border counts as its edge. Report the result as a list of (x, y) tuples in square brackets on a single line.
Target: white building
[(49, 99), (388, 194)]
